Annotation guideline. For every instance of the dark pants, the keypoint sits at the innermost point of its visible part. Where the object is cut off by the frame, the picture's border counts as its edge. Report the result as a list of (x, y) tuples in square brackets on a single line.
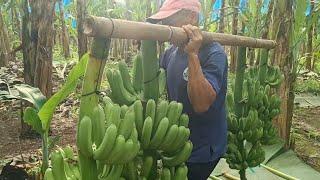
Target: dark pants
[(201, 171)]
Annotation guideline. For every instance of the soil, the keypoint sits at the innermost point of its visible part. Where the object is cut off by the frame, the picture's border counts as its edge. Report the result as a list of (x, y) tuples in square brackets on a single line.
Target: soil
[(306, 133), (27, 149)]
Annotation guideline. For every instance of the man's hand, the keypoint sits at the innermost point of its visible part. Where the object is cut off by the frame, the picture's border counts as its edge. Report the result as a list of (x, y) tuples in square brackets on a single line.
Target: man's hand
[(195, 36)]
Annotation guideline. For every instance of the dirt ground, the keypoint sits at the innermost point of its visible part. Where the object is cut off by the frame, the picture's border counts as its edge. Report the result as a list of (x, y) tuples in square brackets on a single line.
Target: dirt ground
[(12, 144), (306, 132), (22, 148)]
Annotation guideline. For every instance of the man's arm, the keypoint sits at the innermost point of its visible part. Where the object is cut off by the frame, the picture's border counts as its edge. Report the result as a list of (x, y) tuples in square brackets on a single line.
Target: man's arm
[(200, 91)]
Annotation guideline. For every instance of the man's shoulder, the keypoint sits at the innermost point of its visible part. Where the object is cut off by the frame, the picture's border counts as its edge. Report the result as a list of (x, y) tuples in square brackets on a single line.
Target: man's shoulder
[(170, 49), (213, 47)]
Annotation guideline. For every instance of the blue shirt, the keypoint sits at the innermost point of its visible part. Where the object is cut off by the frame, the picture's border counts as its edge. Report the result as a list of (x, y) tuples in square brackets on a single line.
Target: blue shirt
[(208, 129)]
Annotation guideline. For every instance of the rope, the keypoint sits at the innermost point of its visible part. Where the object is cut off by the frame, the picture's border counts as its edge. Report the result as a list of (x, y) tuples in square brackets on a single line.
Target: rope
[(171, 34), (157, 75), (112, 27), (96, 91)]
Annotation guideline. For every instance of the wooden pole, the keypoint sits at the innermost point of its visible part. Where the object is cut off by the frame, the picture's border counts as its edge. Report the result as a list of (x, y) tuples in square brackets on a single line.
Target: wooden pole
[(123, 29)]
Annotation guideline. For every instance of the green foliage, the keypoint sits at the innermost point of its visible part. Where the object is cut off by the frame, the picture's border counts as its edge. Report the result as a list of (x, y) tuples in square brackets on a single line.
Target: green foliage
[(32, 95), (30, 116), (47, 111), (310, 85)]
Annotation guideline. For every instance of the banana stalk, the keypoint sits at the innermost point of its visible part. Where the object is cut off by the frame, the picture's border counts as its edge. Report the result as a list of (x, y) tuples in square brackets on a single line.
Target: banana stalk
[(241, 66), (263, 66), (89, 99), (150, 66)]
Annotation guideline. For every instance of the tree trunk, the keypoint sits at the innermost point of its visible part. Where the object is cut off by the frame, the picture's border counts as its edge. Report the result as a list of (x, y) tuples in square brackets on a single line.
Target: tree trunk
[(28, 44), (265, 32), (252, 52), (65, 36), (37, 43), (284, 59), (315, 39), (207, 9), (43, 68), (149, 8), (309, 42), (17, 22), (82, 39), (221, 22), (233, 51), (4, 43)]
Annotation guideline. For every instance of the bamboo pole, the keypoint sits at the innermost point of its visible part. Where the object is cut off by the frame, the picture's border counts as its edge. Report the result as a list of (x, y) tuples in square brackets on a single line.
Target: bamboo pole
[(123, 29)]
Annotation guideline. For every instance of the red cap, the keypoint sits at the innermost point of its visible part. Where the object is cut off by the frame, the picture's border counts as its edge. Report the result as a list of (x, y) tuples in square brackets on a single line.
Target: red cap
[(170, 7)]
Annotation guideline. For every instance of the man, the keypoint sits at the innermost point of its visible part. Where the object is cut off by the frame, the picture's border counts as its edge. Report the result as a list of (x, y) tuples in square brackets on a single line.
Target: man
[(196, 77)]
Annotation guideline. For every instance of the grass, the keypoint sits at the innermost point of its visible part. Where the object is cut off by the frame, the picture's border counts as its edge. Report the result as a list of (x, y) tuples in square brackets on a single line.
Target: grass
[(311, 85)]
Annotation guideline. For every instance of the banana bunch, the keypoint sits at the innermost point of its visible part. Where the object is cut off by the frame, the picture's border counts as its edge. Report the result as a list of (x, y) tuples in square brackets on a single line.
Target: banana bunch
[(256, 155), (124, 89), (62, 166), (174, 173), (267, 105), (259, 96), (111, 137), (244, 128), (275, 77), (163, 127)]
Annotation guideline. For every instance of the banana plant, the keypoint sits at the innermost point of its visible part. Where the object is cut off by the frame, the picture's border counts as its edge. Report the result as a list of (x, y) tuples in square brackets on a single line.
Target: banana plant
[(40, 115), (245, 129)]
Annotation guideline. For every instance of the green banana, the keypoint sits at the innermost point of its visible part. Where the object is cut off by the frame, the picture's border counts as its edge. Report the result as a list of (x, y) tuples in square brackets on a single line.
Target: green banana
[(58, 170), (127, 124), (180, 157), (137, 79), (116, 150), (115, 172), (98, 125), (138, 111), (124, 72), (84, 136), (125, 96), (146, 132), (147, 165), (126, 153), (169, 138), (108, 142), (181, 173), (124, 109), (161, 112), (160, 133), (184, 134), (178, 140), (150, 109), (115, 115)]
